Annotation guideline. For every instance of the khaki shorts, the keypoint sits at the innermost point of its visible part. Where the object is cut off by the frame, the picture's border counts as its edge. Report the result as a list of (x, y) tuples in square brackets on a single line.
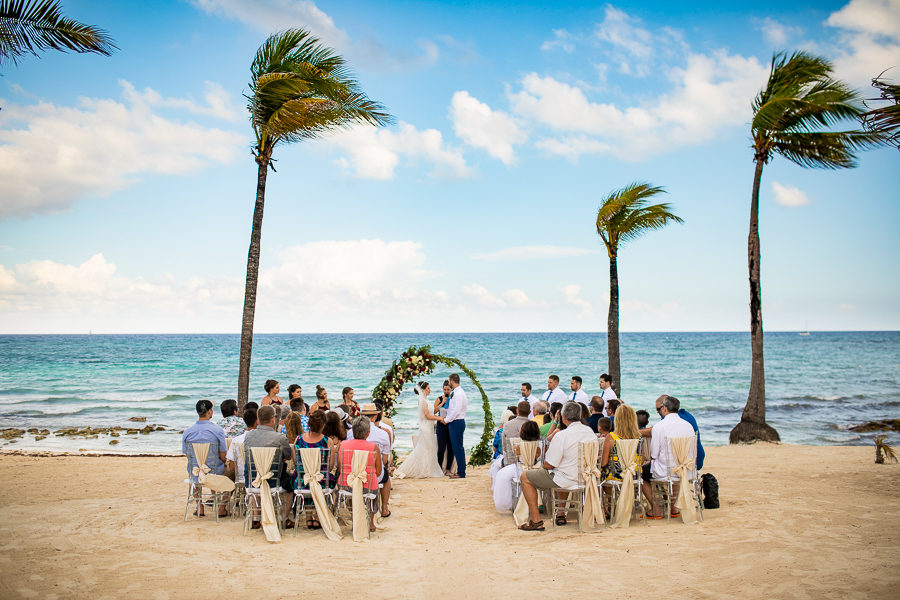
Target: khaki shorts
[(541, 479)]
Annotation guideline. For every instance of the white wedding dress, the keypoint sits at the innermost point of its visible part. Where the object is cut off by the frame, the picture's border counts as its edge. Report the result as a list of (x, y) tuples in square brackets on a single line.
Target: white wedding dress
[(422, 461)]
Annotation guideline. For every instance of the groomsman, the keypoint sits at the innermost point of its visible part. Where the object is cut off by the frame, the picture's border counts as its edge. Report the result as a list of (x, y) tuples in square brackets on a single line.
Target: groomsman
[(553, 393), (526, 395), (578, 394), (607, 392)]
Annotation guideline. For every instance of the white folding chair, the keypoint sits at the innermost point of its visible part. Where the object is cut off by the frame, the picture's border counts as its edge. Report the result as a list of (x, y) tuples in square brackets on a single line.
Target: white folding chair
[(252, 501), (303, 495), (614, 488), (573, 500), (195, 495), (664, 488)]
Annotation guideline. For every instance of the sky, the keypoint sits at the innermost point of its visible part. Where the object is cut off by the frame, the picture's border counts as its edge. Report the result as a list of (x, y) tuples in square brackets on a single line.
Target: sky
[(127, 183)]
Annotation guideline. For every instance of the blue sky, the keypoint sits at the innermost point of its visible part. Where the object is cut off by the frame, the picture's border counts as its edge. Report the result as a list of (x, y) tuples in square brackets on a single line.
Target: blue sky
[(126, 183)]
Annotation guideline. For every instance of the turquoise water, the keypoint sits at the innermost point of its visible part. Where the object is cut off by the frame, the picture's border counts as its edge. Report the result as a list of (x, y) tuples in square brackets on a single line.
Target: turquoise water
[(816, 386)]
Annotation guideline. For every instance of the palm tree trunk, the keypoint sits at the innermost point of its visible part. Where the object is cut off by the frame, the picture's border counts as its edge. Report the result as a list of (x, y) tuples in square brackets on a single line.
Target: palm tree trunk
[(252, 280), (753, 425), (612, 327)]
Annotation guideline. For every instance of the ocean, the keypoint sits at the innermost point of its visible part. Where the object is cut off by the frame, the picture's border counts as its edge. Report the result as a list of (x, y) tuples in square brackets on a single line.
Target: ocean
[(817, 385)]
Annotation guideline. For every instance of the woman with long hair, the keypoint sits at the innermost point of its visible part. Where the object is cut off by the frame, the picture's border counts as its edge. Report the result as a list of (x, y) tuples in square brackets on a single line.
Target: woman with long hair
[(321, 402)]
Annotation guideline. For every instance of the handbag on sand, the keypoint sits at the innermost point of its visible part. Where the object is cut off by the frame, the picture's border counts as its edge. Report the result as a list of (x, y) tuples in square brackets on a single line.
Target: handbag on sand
[(710, 488)]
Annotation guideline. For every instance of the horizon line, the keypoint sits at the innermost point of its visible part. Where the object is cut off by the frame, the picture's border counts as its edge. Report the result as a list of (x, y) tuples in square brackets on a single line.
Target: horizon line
[(454, 332)]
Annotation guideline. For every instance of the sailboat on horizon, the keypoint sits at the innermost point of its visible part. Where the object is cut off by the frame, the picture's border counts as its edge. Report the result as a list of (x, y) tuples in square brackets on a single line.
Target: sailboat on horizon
[(806, 332)]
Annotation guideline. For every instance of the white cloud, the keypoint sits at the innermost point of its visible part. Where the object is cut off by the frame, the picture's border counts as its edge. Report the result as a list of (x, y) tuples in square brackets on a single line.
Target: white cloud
[(51, 156), (481, 127), (786, 195), (376, 153), (572, 296), (709, 93), (532, 253), (276, 15), (218, 101), (633, 42), (869, 35), (562, 39), (512, 298), (878, 17), (778, 34)]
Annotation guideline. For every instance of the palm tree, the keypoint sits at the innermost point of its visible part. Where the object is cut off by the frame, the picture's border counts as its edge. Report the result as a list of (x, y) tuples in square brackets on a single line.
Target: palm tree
[(299, 89), (625, 215), (792, 116), (29, 26), (885, 119)]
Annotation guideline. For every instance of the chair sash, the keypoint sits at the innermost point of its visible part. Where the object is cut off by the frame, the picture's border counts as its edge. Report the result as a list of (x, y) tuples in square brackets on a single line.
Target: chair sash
[(528, 455), (262, 458), (356, 479), (593, 509), (311, 459), (626, 450), (238, 451), (684, 467), (205, 476)]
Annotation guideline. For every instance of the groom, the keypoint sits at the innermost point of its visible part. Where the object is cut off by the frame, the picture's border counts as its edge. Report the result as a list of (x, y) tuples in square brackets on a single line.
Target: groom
[(456, 425)]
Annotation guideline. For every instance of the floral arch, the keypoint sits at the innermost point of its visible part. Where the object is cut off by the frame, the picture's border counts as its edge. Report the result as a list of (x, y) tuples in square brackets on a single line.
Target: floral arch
[(418, 361)]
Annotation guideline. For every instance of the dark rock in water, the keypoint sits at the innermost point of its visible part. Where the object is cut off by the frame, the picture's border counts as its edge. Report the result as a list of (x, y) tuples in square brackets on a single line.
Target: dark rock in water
[(885, 425), (33, 430), (38, 438), (113, 442), (11, 433), (138, 419)]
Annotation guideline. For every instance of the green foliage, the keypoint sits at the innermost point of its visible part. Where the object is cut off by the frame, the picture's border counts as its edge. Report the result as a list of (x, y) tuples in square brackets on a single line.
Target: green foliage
[(626, 214), (27, 27), (300, 89), (419, 361), (793, 115), (885, 119)]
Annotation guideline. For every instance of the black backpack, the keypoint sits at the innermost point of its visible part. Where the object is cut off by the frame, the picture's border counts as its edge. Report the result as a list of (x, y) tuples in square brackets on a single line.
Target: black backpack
[(710, 488)]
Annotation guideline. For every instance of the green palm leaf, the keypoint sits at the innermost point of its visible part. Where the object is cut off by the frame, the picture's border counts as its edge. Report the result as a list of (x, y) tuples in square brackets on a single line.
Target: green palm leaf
[(27, 27), (626, 214)]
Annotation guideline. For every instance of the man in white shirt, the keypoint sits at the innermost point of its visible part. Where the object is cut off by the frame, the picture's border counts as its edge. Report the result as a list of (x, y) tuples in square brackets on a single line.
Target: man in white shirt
[(606, 390), (526, 395), (553, 393), (671, 426), (578, 394), (382, 441), (562, 459), (235, 460), (456, 425)]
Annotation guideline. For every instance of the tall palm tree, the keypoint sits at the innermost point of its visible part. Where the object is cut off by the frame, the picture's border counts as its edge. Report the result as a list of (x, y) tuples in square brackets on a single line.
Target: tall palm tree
[(29, 26), (299, 89), (626, 214), (793, 117)]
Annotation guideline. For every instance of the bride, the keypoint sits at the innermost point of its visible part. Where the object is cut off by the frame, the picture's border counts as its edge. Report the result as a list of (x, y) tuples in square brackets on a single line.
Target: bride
[(422, 461)]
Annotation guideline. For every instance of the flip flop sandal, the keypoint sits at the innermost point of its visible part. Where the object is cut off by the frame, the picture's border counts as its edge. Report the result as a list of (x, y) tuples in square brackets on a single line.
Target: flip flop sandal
[(649, 517), (386, 516), (309, 523), (532, 526), (561, 520), (678, 514)]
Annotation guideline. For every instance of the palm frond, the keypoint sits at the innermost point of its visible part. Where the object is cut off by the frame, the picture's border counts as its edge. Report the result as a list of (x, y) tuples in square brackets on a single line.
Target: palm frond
[(27, 27), (626, 214), (885, 119), (825, 149)]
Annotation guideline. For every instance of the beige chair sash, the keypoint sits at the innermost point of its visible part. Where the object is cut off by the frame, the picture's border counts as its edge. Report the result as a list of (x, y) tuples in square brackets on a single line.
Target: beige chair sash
[(262, 458), (201, 469), (684, 466), (311, 459), (593, 509), (357, 479), (626, 450), (528, 452), (238, 451)]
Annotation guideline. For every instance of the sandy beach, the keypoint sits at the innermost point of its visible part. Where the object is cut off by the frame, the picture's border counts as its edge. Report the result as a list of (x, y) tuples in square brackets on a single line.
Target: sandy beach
[(795, 522)]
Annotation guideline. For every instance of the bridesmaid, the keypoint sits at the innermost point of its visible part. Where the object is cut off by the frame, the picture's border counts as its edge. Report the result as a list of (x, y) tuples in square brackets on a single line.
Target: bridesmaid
[(321, 400), (350, 406), (272, 390)]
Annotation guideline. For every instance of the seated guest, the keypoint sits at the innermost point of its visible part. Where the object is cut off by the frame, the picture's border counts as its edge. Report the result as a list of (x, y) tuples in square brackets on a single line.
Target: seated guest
[(321, 402), (334, 428), (497, 460), (202, 432), (382, 440), (282, 413), (349, 405), (596, 412), (384, 425), (299, 406), (235, 460), (314, 438), (539, 410), (251, 404), (293, 427), (231, 424), (272, 390), (670, 426), (643, 419), (374, 466), (625, 429), (512, 427), (502, 485), (585, 413), (611, 407), (604, 426), (554, 419), (701, 453), (265, 436), (562, 460)]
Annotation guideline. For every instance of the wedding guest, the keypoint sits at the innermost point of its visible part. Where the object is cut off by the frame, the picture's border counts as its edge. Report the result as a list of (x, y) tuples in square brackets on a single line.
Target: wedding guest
[(265, 436), (272, 390), (554, 420), (528, 397), (562, 459), (596, 412), (540, 412), (321, 402), (611, 408), (282, 413), (235, 461), (502, 484), (497, 461), (604, 426), (293, 427), (349, 405), (512, 427), (380, 438), (607, 392), (444, 450), (643, 418), (670, 426), (299, 406), (625, 429), (314, 438), (701, 453), (383, 419), (251, 404), (205, 431), (585, 413), (231, 424), (374, 466), (553, 393), (334, 427), (578, 394)]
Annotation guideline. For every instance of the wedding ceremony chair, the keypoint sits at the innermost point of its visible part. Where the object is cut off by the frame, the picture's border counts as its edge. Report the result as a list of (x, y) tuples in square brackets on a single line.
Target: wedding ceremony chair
[(253, 503), (529, 457), (238, 498), (201, 462), (325, 483), (572, 500), (625, 504), (681, 455), (509, 445), (358, 474)]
